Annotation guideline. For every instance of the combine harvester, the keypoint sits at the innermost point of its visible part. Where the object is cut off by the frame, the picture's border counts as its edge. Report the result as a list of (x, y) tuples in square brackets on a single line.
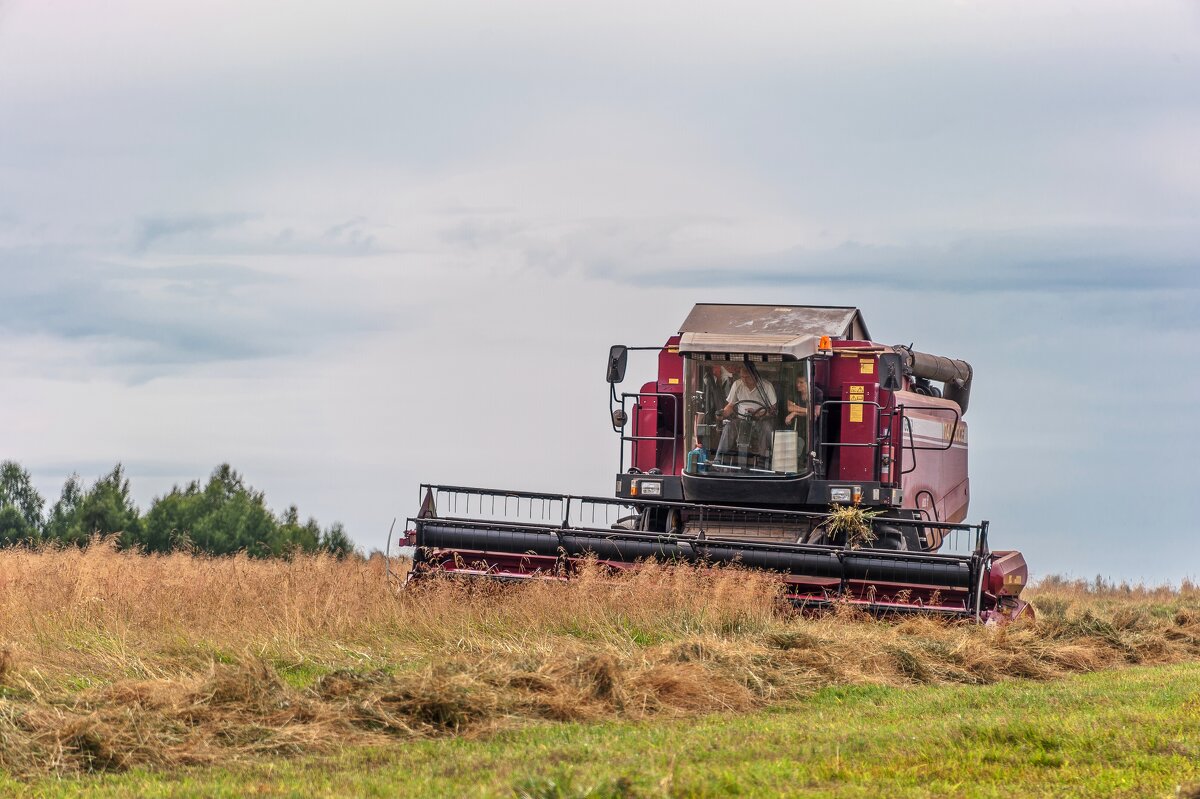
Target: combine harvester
[(777, 438)]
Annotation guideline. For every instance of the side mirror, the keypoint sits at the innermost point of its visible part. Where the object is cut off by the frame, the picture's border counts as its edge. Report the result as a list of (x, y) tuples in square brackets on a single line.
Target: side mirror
[(891, 372), (618, 355)]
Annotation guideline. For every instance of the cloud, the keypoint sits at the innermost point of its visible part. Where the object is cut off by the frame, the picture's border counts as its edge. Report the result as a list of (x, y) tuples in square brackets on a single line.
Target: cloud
[(156, 229), (1123, 263), (141, 321), (233, 234), (210, 279), (1075, 261)]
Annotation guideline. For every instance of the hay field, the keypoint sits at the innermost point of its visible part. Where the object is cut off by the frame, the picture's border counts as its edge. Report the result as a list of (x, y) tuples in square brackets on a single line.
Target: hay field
[(112, 660)]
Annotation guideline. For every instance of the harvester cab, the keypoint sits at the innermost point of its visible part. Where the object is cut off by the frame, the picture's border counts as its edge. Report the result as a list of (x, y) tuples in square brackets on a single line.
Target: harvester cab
[(772, 437)]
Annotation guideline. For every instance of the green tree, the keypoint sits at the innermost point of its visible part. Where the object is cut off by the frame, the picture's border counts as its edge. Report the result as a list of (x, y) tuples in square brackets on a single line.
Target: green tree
[(336, 542), (169, 521), (223, 517), (17, 492), (13, 527), (295, 536), (237, 519), (106, 508), (64, 515)]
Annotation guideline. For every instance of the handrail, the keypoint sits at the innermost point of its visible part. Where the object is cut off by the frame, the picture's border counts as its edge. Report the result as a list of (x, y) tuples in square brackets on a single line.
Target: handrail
[(667, 503), (953, 430), (907, 428), (674, 439), (879, 441)]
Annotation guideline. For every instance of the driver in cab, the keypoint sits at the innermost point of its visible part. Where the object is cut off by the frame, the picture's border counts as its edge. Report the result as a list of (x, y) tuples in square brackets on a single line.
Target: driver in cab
[(752, 400)]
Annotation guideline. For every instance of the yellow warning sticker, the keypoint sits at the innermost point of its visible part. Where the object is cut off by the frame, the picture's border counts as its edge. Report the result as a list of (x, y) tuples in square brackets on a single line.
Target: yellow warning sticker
[(856, 395), (867, 366)]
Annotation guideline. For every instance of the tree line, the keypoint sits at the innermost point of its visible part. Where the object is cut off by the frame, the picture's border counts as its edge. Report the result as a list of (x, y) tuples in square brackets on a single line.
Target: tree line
[(220, 517)]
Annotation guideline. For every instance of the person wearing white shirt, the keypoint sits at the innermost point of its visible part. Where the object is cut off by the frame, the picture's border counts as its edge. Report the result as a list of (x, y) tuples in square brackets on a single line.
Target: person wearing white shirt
[(750, 409)]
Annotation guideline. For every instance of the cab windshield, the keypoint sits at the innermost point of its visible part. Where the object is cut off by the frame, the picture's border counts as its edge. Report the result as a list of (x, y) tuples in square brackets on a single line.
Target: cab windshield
[(747, 418)]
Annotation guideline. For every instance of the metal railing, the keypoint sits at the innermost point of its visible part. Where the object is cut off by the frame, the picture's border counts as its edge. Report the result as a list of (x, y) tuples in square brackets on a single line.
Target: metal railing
[(674, 438), (703, 528), (678, 519), (881, 441), (912, 447), (886, 419)]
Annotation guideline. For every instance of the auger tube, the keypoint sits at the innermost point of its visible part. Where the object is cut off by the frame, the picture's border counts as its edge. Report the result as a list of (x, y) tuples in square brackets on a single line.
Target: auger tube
[(955, 374)]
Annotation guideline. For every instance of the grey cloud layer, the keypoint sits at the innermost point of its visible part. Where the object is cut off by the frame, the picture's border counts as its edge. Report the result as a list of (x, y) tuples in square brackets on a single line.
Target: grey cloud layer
[(645, 252), (156, 319), (1066, 261), (231, 234), (904, 129), (157, 229)]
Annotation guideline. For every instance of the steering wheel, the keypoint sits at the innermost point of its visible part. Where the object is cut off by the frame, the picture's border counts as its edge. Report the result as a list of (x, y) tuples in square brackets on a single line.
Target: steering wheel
[(741, 414)]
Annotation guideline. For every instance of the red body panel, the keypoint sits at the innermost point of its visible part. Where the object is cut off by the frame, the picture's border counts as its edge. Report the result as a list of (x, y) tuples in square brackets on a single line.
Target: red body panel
[(670, 368), (658, 412), (936, 483), (871, 440), (645, 423), (858, 455)]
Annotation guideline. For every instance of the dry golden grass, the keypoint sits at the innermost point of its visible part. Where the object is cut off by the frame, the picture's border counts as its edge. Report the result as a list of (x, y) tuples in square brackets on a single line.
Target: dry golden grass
[(110, 659)]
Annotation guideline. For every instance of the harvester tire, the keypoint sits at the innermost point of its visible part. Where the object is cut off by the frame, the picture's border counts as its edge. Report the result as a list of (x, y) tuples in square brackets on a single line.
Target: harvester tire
[(889, 536), (899, 537), (674, 525)]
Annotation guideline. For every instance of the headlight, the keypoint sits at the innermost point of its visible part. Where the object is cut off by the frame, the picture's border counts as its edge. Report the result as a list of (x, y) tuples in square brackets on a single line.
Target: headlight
[(839, 495), (650, 489)]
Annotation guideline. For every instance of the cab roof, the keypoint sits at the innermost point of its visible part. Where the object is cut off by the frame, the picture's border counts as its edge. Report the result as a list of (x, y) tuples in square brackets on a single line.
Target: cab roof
[(790, 330)]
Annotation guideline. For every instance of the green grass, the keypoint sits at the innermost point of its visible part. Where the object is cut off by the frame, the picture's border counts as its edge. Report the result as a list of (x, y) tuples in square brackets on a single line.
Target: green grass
[(1132, 732), (301, 675)]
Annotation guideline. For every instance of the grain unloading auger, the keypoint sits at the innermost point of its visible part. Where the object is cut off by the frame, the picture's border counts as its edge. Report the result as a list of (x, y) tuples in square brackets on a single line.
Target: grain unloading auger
[(762, 419)]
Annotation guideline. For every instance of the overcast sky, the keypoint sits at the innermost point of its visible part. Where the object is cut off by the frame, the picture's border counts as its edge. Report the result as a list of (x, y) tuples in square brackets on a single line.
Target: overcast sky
[(350, 247)]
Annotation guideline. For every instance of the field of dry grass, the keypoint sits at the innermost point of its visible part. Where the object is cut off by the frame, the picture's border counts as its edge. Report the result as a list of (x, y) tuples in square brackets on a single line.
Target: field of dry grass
[(111, 660)]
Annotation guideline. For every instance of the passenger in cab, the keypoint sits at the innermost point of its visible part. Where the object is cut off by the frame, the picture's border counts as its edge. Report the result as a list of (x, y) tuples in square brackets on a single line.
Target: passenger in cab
[(798, 400), (714, 388)]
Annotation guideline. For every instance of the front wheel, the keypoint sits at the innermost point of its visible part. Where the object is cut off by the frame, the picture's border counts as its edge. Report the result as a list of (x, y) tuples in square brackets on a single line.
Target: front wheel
[(897, 537), (889, 536)]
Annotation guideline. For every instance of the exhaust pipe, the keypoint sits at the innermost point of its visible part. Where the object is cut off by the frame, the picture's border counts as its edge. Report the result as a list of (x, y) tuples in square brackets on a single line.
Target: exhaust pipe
[(954, 374)]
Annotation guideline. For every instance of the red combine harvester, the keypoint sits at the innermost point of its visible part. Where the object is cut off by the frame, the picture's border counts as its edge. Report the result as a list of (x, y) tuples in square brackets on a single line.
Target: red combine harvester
[(761, 420)]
